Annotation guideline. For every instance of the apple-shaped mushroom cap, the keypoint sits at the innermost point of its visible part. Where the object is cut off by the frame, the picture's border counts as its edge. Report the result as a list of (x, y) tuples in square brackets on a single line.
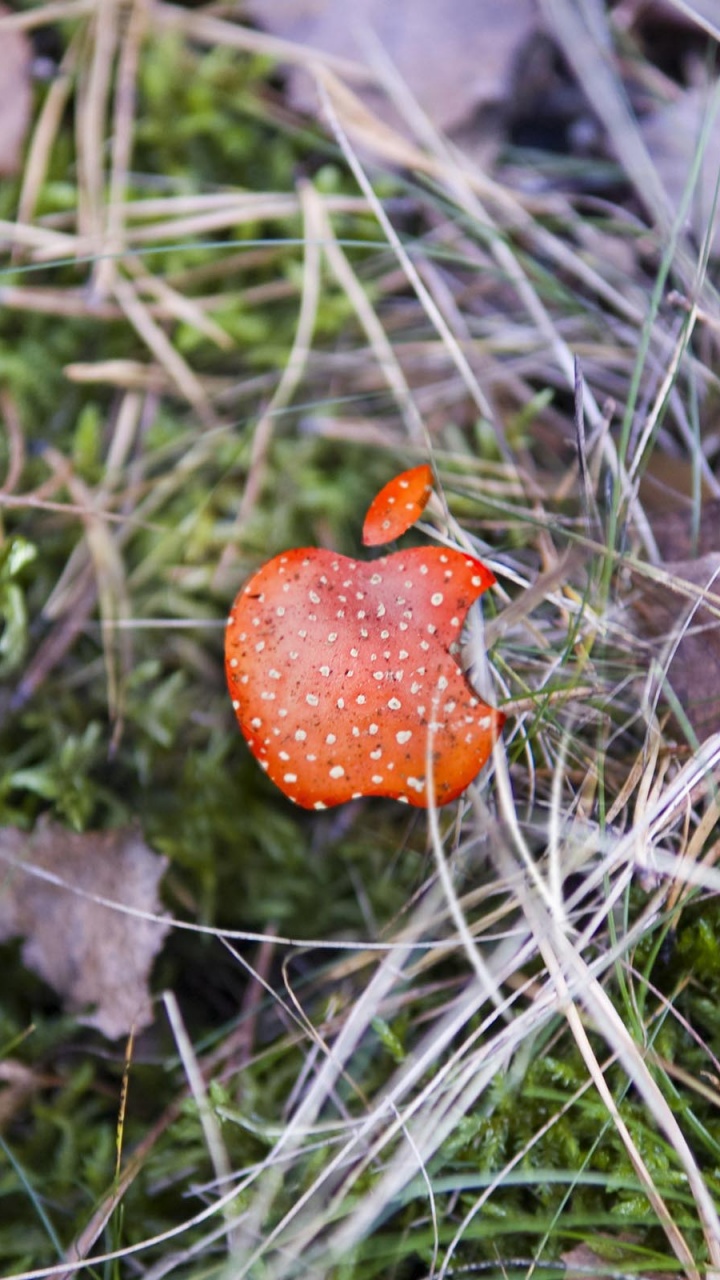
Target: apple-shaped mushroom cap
[(342, 675), (397, 506)]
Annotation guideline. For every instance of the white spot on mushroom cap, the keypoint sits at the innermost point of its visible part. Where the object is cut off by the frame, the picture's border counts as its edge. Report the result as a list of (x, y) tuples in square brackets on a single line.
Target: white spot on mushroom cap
[(337, 771), (311, 699), (403, 736), (330, 739), (289, 777)]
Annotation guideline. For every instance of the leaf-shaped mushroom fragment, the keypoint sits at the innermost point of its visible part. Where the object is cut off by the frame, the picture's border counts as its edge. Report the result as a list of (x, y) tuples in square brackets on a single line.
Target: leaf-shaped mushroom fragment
[(397, 506), (342, 674)]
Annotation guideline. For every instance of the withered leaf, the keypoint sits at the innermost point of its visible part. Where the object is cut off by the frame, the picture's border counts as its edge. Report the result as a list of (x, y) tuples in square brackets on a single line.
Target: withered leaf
[(455, 57), (96, 957)]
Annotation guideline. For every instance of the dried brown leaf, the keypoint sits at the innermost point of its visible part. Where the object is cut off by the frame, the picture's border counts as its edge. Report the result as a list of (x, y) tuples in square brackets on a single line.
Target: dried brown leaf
[(15, 97), (91, 953), (455, 57)]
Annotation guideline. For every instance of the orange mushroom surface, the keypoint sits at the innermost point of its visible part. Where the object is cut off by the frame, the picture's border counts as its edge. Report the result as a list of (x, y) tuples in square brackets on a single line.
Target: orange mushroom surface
[(343, 678), (397, 506)]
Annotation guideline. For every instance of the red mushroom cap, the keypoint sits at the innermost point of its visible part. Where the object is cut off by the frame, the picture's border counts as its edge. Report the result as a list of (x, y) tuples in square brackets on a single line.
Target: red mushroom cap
[(341, 671), (397, 506)]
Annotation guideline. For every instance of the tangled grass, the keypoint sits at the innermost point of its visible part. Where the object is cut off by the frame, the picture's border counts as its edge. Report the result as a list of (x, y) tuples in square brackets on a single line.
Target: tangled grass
[(482, 1040)]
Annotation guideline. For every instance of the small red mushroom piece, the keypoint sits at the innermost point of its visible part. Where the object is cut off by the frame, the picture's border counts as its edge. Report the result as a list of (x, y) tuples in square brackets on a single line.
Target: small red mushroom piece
[(397, 506), (343, 679)]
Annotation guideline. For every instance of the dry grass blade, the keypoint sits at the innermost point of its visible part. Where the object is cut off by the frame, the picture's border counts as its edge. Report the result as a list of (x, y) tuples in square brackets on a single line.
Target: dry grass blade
[(293, 372), (215, 31), (110, 584), (328, 88), (382, 349), (179, 372)]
